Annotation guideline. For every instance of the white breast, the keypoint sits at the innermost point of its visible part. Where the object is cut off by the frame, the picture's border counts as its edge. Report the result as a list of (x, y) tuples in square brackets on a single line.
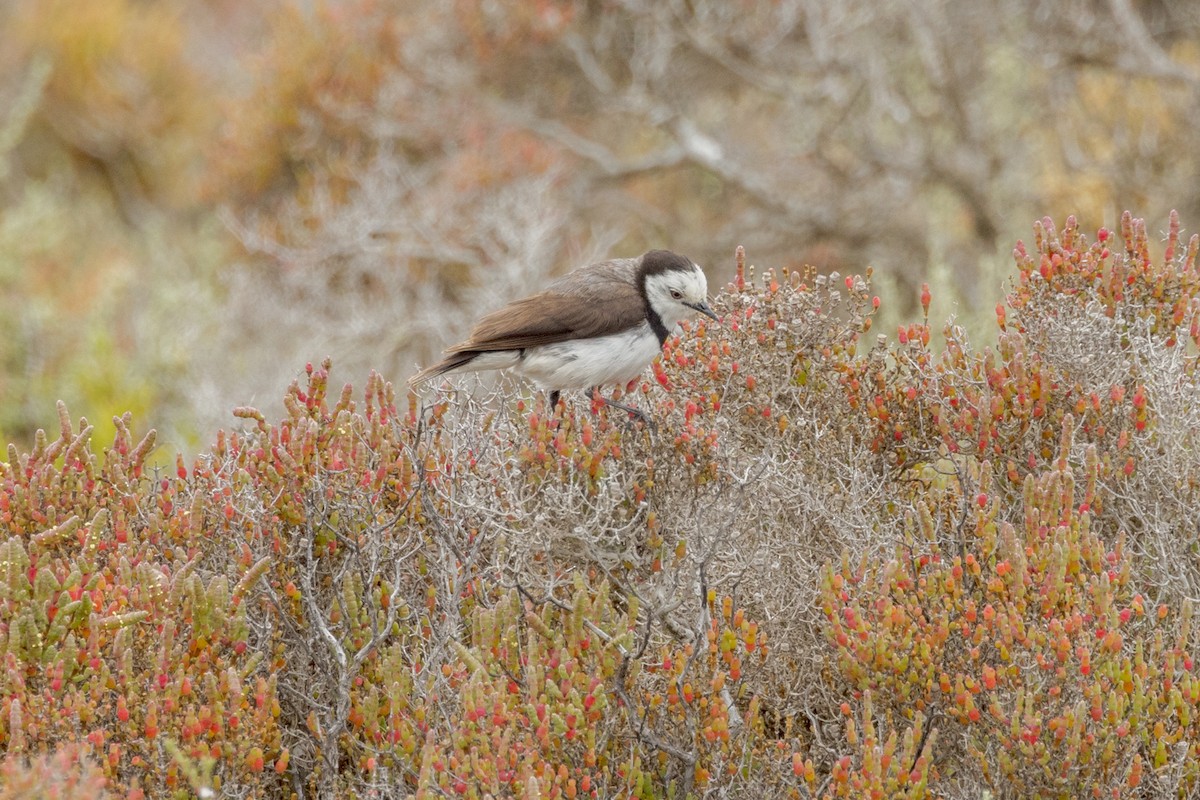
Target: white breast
[(584, 363)]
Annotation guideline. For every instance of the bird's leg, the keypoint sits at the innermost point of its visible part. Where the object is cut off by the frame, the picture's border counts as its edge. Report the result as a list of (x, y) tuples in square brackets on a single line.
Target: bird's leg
[(633, 411), (555, 414)]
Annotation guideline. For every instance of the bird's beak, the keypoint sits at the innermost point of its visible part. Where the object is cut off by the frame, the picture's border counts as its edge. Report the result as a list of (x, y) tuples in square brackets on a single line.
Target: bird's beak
[(704, 309)]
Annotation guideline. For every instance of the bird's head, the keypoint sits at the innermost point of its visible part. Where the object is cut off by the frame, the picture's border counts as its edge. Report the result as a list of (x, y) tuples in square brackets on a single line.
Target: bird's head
[(675, 287)]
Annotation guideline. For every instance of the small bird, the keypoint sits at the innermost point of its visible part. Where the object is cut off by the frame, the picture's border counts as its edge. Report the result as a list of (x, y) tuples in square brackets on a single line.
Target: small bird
[(600, 324)]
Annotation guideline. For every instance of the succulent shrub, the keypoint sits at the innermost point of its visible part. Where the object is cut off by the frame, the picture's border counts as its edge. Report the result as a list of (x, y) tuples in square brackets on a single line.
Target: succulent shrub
[(838, 565)]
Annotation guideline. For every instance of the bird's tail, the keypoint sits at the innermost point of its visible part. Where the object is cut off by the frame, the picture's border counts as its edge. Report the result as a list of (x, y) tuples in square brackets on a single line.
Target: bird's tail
[(469, 361), (447, 364)]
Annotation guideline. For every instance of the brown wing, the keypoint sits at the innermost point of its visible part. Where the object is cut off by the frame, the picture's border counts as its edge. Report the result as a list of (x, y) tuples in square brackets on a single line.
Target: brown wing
[(597, 300)]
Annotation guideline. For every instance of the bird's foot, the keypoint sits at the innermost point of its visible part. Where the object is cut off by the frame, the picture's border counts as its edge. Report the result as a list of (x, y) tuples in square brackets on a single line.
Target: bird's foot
[(634, 412)]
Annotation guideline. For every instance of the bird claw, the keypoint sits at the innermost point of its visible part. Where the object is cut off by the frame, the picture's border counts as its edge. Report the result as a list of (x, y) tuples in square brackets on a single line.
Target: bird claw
[(645, 419), (634, 412)]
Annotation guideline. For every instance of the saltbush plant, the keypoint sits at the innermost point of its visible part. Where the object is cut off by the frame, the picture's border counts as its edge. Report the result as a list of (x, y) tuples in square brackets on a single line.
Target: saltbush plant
[(840, 564)]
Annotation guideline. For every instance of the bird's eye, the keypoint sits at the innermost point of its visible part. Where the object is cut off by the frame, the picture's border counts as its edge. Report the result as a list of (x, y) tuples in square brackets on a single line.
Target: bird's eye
[(675, 293)]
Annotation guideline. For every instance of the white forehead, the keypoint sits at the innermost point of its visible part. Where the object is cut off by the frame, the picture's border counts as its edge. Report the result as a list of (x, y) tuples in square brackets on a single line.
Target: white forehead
[(691, 282)]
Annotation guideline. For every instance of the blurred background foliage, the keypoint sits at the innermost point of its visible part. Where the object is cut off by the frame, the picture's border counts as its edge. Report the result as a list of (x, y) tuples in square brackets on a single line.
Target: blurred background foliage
[(198, 196)]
